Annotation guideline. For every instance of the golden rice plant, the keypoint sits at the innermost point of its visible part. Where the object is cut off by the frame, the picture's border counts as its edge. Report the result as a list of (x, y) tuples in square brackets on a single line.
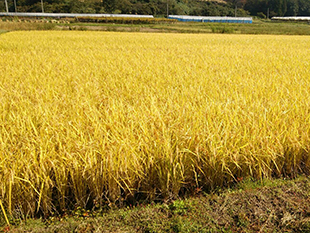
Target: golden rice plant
[(96, 118)]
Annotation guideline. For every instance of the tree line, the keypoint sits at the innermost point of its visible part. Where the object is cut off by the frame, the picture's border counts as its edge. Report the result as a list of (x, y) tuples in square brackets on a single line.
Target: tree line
[(278, 7), (160, 8)]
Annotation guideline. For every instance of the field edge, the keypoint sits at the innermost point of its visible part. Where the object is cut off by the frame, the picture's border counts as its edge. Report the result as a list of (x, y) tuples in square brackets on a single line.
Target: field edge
[(270, 205)]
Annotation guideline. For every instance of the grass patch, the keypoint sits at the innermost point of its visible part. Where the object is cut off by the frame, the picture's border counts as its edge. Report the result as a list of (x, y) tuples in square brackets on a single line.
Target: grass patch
[(17, 26), (160, 25), (257, 27), (126, 20), (268, 206)]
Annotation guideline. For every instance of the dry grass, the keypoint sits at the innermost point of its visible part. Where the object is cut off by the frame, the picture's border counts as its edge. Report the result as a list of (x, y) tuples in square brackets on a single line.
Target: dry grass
[(25, 25), (88, 117)]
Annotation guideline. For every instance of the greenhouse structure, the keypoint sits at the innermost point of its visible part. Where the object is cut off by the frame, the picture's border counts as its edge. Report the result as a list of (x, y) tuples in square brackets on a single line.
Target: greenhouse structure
[(71, 15), (211, 19), (292, 18)]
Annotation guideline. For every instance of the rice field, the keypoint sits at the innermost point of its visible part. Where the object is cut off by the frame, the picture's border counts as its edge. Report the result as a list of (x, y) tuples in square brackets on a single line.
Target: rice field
[(98, 118)]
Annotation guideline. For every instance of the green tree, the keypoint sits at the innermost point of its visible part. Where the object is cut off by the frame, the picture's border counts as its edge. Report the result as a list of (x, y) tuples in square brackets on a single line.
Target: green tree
[(303, 7), (292, 8), (109, 5), (278, 7), (255, 6)]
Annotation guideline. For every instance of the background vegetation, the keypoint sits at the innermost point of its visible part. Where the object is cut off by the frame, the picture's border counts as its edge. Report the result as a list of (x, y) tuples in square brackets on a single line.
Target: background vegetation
[(259, 26), (159, 7)]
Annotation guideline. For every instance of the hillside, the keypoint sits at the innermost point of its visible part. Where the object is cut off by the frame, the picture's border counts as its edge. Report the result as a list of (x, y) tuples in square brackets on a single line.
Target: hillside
[(160, 8)]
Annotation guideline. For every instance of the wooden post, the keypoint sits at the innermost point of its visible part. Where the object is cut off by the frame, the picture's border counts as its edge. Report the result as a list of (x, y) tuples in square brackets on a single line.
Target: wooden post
[(6, 6), (15, 6), (42, 6), (167, 9)]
